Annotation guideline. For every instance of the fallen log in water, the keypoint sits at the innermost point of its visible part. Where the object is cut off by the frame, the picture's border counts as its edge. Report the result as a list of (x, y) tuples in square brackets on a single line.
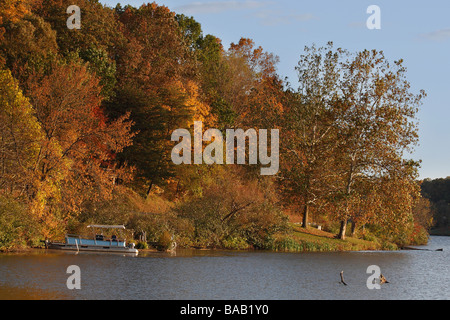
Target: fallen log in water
[(342, 278), (412, 248)]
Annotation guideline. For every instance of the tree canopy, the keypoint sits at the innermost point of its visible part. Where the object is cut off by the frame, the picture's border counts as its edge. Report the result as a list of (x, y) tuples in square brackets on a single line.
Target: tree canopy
[(86, 117)]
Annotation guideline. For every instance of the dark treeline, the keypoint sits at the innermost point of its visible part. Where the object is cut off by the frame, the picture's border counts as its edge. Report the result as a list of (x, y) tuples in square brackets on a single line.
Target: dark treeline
[(86, 117), (437, 191)]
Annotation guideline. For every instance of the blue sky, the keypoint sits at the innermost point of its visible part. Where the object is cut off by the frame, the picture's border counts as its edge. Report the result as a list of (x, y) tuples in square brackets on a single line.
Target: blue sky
[(416, 31)]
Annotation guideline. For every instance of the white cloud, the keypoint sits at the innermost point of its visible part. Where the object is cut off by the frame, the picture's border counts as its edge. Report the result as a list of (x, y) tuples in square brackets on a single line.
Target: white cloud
[(272, 18), (357, 25), (439, 35), (220, 6), (263, 10)]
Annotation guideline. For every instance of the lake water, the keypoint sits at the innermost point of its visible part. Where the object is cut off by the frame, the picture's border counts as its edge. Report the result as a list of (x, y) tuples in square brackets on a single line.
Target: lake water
[(198, 274)]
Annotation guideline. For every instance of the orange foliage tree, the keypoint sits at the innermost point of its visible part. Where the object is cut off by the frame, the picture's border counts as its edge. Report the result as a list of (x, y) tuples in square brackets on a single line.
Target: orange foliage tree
[(76, 162)]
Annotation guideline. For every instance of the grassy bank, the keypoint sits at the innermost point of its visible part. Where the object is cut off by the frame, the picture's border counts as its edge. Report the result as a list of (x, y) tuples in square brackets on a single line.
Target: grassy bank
[(297, 239), (314, 240)]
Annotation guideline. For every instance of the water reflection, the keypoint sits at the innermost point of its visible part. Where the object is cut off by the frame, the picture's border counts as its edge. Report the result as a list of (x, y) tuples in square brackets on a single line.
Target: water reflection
[(211, 274)]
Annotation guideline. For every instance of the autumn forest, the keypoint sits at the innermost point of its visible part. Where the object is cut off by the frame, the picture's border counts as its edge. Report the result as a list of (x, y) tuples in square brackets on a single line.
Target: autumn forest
[(86, 118)]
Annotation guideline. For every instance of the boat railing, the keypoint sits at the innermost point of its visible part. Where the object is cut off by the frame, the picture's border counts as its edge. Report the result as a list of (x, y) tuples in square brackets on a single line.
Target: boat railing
[(110, 240)]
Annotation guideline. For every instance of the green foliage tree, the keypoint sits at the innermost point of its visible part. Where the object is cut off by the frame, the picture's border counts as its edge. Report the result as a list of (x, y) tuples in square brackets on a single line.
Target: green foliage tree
[(437, 192), (103, 67), (99, 26)]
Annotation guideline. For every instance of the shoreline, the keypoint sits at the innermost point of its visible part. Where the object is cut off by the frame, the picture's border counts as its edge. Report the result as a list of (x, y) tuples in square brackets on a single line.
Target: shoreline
[(298, 241)]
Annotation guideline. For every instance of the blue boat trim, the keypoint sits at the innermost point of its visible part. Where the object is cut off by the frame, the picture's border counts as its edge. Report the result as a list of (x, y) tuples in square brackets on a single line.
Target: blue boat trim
[(97, 243)]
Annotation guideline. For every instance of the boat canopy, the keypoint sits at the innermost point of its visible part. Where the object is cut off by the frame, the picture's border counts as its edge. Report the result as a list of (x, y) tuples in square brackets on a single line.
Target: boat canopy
[(102, 226)]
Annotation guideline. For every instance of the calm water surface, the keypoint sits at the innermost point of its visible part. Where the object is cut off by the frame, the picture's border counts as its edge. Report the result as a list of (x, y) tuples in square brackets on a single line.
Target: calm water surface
[(190, 274)]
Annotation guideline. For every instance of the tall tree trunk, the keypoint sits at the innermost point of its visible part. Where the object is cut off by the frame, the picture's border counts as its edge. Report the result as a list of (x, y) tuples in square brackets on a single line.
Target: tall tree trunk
[(305, 216), (149, 189), (353, 228), (342, 229)]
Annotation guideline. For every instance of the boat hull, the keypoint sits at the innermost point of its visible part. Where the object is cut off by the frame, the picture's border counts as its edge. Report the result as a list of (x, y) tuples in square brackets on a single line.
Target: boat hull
[(92, 248), (83, 246)]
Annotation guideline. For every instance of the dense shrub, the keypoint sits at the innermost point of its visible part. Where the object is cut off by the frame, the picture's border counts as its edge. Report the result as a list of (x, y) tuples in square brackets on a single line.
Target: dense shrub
[(165, 241), (17, 229)]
